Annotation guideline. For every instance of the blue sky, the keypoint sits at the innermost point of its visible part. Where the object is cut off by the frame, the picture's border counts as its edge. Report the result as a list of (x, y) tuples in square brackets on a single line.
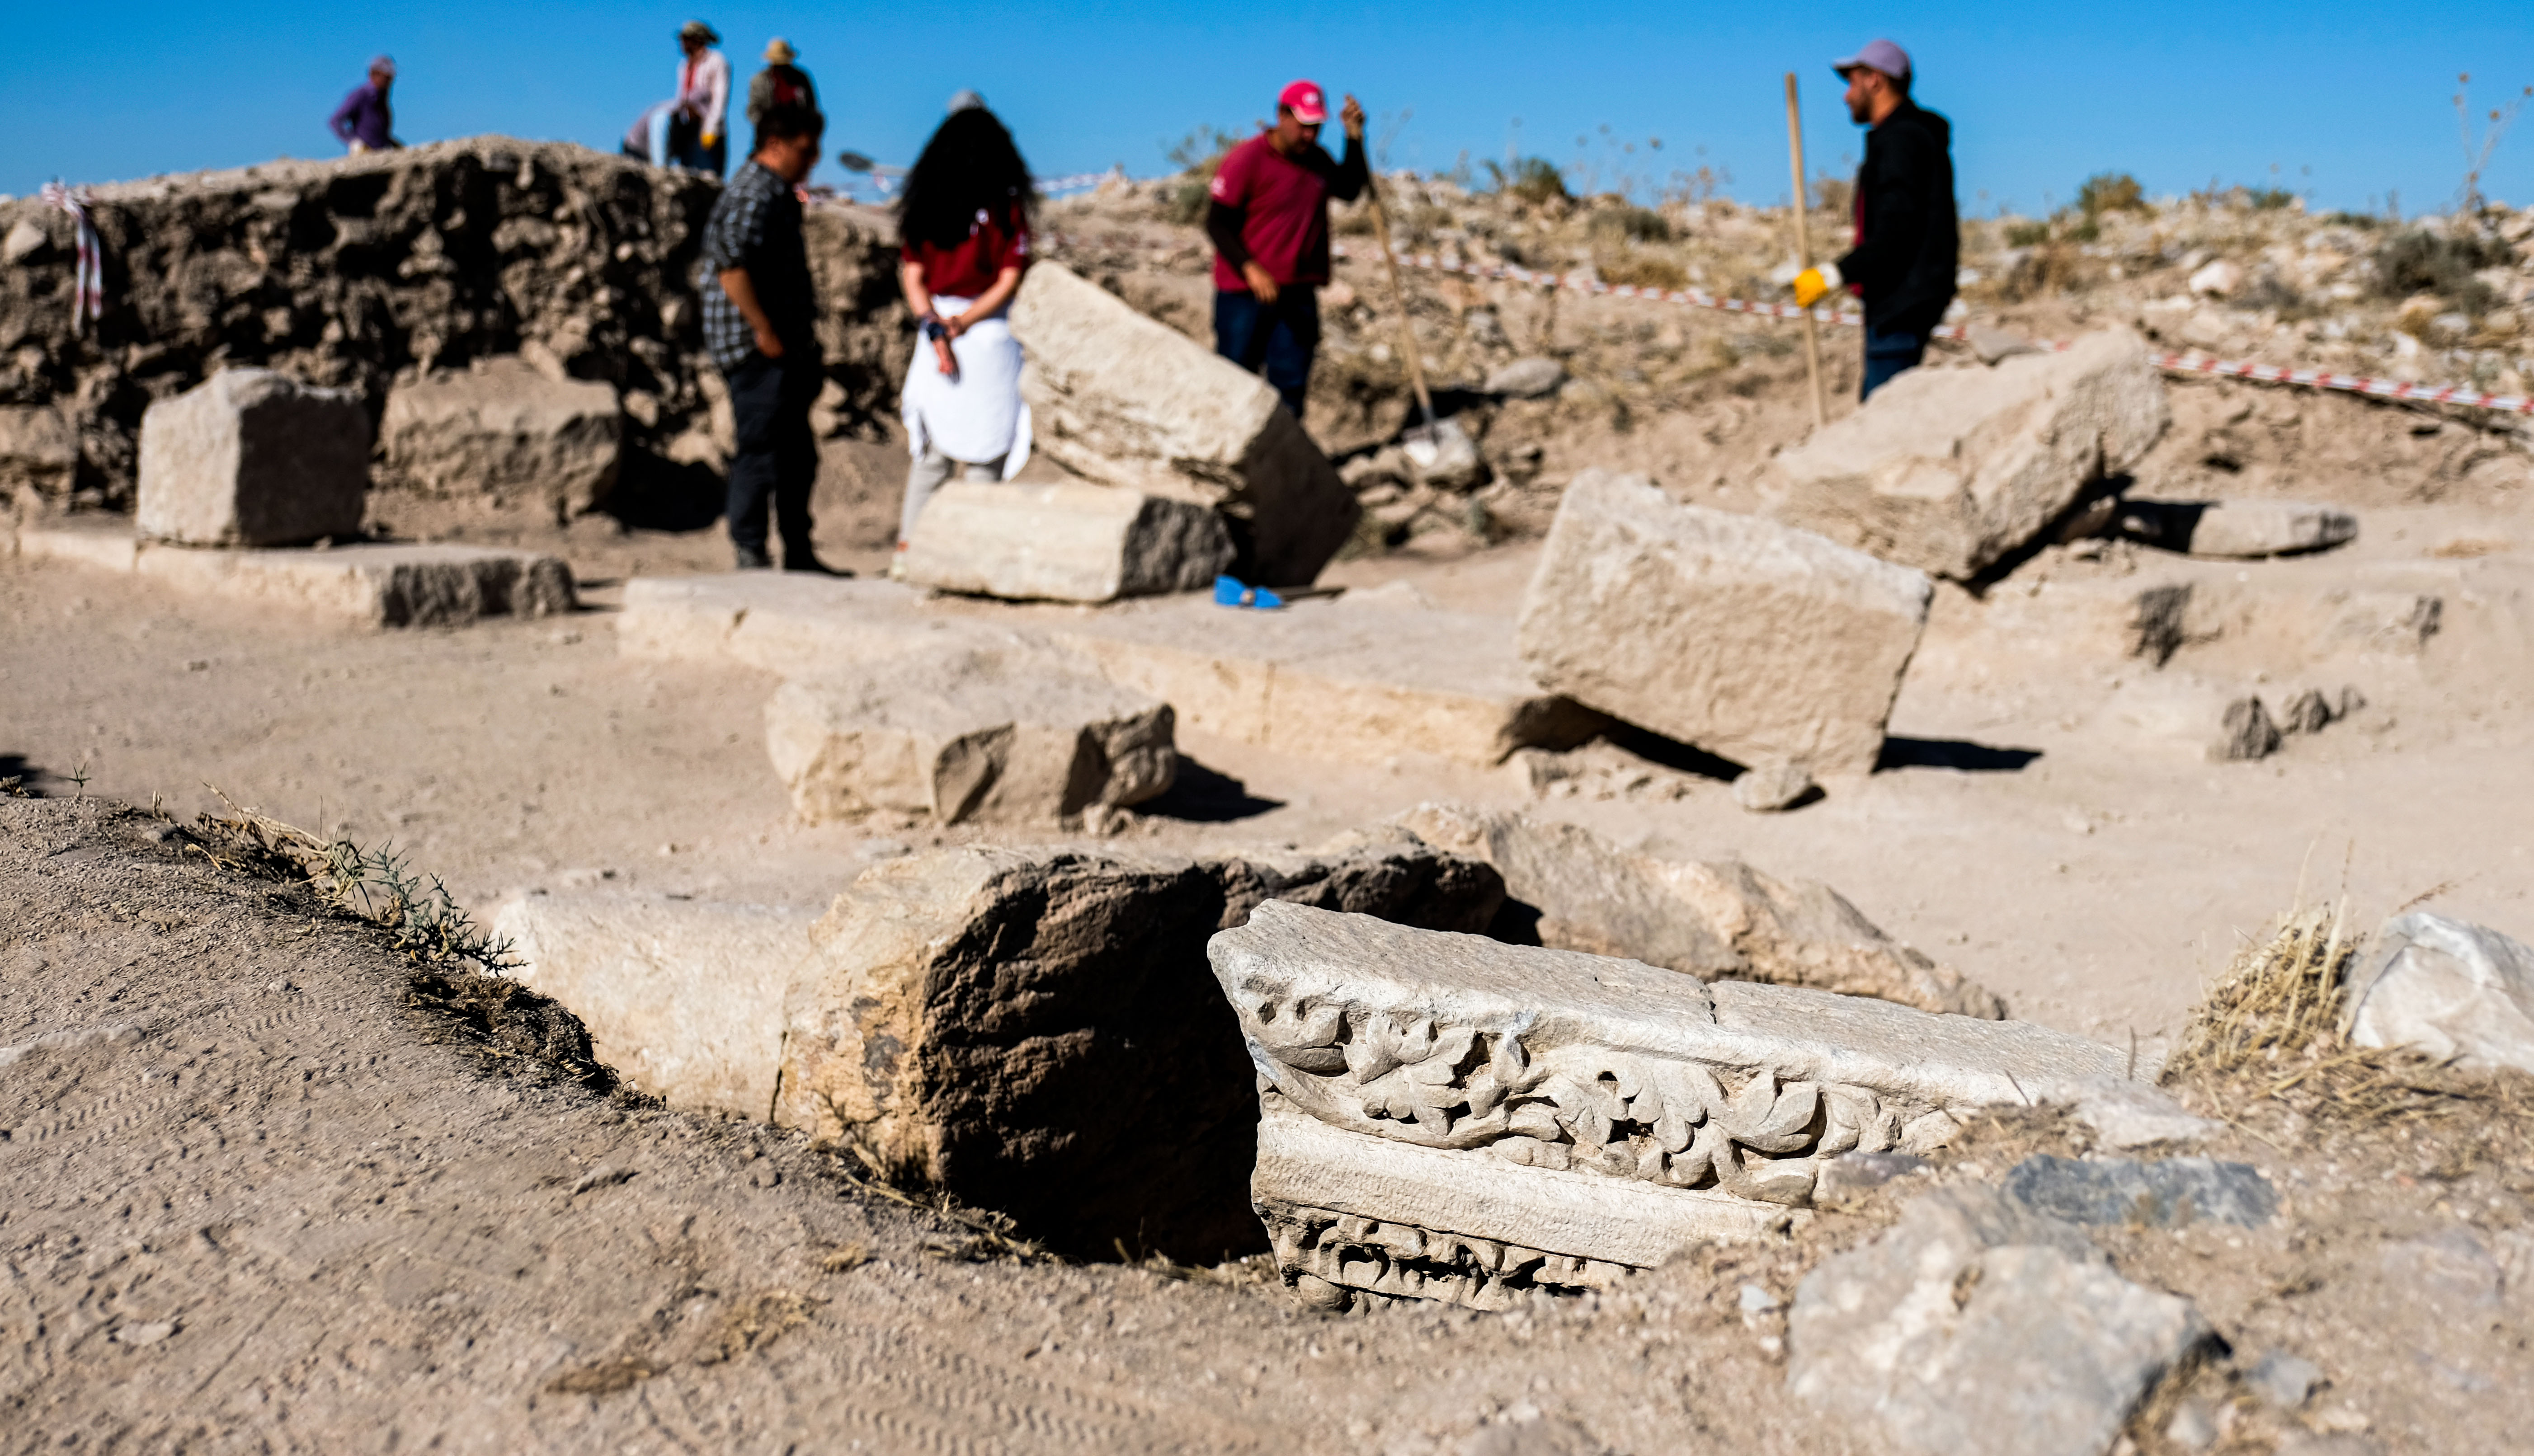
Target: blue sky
[(2347, 101)]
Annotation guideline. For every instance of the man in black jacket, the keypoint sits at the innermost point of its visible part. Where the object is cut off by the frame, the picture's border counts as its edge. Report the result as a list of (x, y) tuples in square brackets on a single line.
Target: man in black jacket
[(1907, 241)]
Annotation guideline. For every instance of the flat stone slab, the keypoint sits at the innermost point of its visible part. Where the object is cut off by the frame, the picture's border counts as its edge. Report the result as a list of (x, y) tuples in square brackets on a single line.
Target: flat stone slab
[(968, 735), (1512, 1063), (1070, 542), (684, 998), (1352, 681), (2163, 1194), (374, 584)]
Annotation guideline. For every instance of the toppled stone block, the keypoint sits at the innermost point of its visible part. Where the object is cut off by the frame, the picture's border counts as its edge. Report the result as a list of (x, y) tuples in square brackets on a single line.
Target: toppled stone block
[(251, 457), (503, 429), (1949, 470), (684, 998), (1720, 919), (2448, 989), (1064, 543), (39, 449), (966, 736), (2162, 1195), (1747, 638), (1033, 1030), (369, 583), (1977, 1327), (1433, 1106), (1126, 400)]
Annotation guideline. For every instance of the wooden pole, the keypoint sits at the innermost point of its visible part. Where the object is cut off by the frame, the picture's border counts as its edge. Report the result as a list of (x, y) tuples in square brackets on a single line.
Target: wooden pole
[(1804, 254), (1399, 298)]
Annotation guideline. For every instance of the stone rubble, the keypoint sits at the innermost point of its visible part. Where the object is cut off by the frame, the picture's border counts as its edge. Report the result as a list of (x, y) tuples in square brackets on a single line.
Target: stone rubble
[(1977, 1327), (1754, 641), (1124, 400), (2160, 1194), (967, 737), (1720, 919), (252, 457), (2448, 989), (1952, 470), (1448, 1117), (2126, 1114), (1062, 543), (506, 431)]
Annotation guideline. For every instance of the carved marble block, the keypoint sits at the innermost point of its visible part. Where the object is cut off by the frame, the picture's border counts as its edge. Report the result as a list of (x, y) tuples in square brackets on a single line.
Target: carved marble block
[(1448, 1117)]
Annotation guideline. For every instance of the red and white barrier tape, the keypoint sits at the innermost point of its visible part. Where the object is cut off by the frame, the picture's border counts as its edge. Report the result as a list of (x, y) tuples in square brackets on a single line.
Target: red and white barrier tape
[(87, 300), (1699, 297)]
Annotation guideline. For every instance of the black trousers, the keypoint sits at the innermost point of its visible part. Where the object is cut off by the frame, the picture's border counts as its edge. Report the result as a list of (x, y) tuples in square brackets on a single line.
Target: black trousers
[(778, 457)]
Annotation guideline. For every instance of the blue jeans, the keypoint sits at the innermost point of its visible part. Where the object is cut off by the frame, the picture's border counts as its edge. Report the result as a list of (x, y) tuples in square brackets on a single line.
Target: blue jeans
[(1888, 351), (1277, 339)]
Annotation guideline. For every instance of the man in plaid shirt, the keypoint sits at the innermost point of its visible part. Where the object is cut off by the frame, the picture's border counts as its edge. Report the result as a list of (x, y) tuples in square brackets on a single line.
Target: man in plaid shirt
[(760, 324)]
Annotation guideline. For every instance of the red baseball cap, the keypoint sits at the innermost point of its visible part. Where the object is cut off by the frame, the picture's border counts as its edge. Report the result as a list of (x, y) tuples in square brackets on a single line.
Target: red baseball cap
[(1304, 101)]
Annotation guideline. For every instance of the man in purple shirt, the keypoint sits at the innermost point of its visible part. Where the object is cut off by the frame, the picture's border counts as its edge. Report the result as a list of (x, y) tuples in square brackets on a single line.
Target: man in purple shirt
[(363, 122)]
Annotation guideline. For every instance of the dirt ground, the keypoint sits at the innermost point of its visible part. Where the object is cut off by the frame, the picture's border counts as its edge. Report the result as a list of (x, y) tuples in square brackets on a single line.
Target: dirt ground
[(264, 1185)]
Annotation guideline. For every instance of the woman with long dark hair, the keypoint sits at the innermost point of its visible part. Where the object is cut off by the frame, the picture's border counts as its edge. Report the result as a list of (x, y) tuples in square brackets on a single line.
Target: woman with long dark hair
[(964, 240)]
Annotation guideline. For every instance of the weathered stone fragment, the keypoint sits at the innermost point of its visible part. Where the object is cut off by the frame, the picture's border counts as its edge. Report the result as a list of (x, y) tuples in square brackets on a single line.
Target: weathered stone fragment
[(1528, 378), (39, 449), (1034, 1030), (503, 429), (2164, 1195), (2245, 732), (1770, 787), (967, 735), (1949, 470), (684, 998), (1433, 1105), (2269, 528), (1126, 400), (251, 457), (370, 585), (1711, 919), (2450, 989), (1977, 1327), (1749, 639), (2133, 1114), (1072, 542)]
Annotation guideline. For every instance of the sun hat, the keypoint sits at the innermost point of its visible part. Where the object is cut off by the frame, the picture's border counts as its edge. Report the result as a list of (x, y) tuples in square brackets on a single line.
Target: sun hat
[(966, 102), (1877, 55), (698, 30), (780, 51), (1305, 100)]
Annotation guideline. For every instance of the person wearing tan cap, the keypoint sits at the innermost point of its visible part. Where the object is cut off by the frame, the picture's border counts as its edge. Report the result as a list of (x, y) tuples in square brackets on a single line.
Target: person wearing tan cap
[(780, 83), (699, 141)]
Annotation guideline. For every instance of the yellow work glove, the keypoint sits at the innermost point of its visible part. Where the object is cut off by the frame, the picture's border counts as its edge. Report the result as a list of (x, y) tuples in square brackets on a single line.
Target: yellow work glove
[(1812, 285)]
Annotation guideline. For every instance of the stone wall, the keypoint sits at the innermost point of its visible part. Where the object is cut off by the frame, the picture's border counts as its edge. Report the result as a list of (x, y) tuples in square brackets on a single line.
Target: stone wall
[(359, 271)]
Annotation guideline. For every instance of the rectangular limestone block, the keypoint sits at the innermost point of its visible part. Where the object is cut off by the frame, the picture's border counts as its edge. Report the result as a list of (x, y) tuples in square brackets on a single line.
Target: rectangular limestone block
[(379, 585), (1034, 1030), (251, 457), (1951, 470), (503, 429), (966, 736), (39, 449), (1349, 681), (1070, 541), (1752, 640), (684, 998), (1126, 400), (1516, 1062), (789, 623)]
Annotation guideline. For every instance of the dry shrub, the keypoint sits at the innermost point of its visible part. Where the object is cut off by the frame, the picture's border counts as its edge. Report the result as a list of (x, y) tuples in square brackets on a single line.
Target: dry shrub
[(1627, 267), (2274, 1029)]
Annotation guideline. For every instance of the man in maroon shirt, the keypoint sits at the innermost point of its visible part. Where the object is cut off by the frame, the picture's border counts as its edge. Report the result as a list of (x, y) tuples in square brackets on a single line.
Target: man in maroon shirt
[(1269, 220)]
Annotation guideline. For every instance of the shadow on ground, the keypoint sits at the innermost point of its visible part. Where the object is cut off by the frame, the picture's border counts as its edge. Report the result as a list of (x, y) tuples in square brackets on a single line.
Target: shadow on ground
[(1200, 795)]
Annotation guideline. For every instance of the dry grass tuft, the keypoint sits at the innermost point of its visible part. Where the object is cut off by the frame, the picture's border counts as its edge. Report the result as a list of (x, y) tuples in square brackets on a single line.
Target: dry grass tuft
[(2274, 1029)]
